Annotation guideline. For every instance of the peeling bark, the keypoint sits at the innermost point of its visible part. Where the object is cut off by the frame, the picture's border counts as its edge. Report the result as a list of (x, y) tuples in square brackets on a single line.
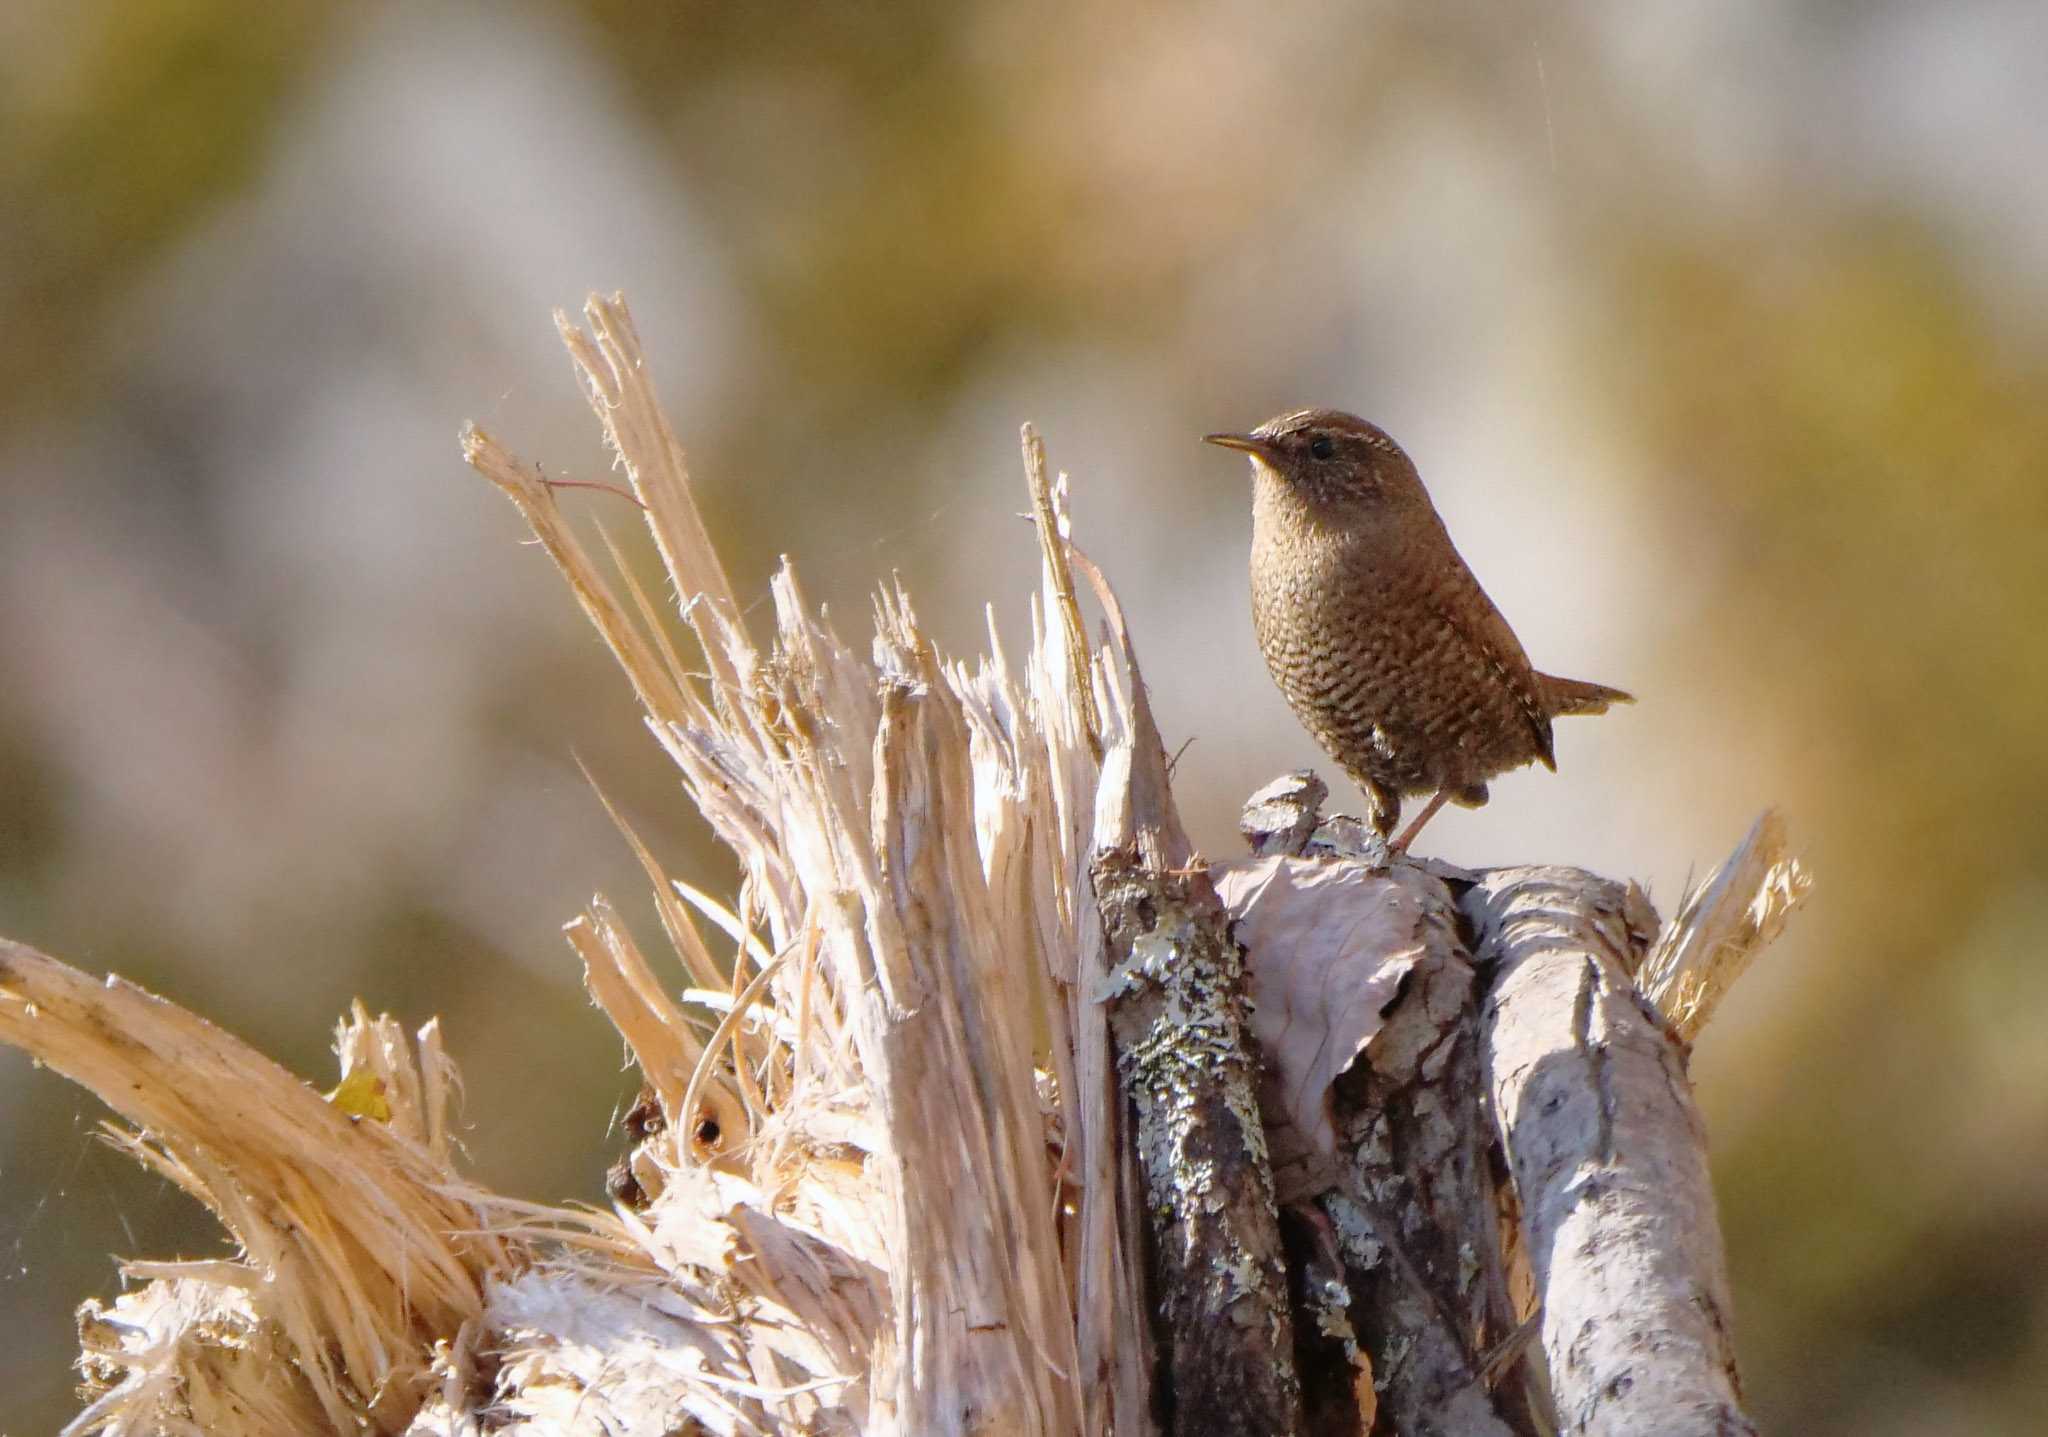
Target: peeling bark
[(1417, 1216), (1406, 1207)]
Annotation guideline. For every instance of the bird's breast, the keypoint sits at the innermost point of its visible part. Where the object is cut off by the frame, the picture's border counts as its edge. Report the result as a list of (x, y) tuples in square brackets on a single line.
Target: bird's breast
[(1365, 648)]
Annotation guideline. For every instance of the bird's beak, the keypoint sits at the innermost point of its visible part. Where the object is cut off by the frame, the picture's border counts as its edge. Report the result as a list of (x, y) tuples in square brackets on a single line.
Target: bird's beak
[(1242, 442)]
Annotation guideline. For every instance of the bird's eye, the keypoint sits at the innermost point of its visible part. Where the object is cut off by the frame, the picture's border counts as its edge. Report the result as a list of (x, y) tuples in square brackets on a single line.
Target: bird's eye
[(1321, 447)]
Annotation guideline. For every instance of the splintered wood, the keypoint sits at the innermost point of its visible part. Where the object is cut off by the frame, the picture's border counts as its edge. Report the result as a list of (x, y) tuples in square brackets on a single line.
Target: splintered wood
[(360, 1244), (972, 1116), (912, 1148), (888, 1188)]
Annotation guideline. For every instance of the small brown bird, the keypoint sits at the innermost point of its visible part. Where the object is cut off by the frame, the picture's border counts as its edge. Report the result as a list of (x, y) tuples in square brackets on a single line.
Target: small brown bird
[(1384, 644)]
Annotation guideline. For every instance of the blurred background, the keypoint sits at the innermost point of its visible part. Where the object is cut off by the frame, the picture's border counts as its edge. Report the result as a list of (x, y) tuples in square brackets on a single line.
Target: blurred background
[(1719, 332)]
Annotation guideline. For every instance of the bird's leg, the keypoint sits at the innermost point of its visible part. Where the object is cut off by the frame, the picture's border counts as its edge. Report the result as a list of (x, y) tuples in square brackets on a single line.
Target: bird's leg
[(1385, 806), (1429, 810)]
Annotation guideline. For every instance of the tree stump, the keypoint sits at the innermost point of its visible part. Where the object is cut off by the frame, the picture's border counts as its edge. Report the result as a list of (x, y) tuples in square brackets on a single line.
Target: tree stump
[(1011, 1117)]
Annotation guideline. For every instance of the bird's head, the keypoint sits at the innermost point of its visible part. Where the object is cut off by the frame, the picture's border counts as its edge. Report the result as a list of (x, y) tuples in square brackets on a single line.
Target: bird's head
[(1327, 457)]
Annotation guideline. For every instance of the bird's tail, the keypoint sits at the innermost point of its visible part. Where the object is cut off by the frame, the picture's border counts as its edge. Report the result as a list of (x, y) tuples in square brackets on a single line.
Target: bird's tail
[(1564, 697)]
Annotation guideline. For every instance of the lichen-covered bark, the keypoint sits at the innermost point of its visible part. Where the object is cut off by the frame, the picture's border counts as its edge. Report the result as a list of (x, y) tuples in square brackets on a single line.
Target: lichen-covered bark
[(1185, 1059), (1608, 1153)]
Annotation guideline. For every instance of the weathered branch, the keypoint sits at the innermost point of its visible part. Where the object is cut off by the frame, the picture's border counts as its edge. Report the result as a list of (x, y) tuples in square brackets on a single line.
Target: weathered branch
[(1188, 1064), (1176, 1011), (1596, 1117)]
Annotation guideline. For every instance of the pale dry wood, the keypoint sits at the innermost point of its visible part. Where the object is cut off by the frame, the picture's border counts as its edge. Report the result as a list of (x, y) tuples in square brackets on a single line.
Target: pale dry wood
[(1722, 925), (913, 831), (191, 1354), (361, 1248), (916, 1218), (1417, 1194), (1112, 1333), (1608, 1154), (621, 392), (1335, 942), (1436, 1260)]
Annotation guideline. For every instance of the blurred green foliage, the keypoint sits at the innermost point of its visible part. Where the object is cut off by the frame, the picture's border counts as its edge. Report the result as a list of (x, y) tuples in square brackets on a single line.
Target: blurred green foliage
[(122, 128), (1866, 436)]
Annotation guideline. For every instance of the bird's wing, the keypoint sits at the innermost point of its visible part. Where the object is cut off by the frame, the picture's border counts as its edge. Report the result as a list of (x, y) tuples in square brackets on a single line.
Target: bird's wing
[(1469, 614)]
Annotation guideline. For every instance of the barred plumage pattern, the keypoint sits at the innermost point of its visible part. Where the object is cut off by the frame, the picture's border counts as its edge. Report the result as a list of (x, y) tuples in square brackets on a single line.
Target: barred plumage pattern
[(1378, 635)]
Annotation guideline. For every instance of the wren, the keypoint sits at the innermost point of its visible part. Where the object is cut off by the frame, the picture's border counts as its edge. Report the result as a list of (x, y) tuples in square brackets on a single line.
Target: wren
[(1383, 643)]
